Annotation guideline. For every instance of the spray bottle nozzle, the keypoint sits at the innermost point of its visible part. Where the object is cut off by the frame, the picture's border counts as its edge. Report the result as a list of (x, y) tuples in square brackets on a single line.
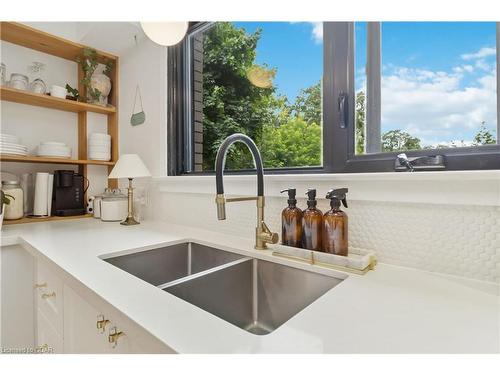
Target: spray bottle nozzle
[(336, 196)]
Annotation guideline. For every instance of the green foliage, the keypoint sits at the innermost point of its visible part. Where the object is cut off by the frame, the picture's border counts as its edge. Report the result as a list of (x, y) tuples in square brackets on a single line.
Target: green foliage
[(88, 62), (398, 140), (360, 123), (308, 104), (484, 136), (296, 143), (73, 92), (231, 103)]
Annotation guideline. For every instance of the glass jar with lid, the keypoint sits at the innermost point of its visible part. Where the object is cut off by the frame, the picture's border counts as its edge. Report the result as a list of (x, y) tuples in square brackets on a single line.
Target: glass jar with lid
[(18, 81), (15, 209)]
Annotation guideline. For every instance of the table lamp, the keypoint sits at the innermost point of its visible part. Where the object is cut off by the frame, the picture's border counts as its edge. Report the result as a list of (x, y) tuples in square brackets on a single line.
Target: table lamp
[(129, 166)]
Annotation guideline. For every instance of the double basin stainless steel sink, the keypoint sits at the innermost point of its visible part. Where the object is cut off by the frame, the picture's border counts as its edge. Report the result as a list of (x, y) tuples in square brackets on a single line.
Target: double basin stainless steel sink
[(255, 295)]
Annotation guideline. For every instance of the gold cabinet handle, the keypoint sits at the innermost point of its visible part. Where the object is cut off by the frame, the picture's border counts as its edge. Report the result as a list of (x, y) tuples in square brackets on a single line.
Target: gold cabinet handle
[(114, 335), (42, 285), (101, 323), (42, 348), (48, 295)]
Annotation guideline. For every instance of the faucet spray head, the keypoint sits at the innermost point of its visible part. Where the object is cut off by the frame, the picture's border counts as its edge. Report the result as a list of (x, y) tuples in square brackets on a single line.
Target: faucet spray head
[(220, 201)]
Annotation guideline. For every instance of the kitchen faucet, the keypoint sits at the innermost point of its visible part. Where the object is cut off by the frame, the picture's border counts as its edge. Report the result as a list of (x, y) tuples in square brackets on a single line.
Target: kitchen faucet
[(263, 234)]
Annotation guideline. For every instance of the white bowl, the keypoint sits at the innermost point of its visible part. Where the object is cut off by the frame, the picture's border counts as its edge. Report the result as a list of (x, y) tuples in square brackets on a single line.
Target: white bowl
[(58, 91), (99, 148), (54, 151), (99, 142), (100, 136), (105, 156)]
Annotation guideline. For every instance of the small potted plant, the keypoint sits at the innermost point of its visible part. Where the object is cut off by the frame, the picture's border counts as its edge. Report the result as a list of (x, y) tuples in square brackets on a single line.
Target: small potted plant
[(6, 198)]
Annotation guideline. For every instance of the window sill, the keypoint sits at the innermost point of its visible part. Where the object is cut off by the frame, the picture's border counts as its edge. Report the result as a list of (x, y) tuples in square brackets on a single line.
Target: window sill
[(444, 187)]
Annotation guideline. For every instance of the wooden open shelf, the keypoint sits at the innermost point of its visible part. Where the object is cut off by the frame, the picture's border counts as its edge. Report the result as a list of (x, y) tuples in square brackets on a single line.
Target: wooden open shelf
[(47, 101), (41, 159), (29, 37), (28, 220)]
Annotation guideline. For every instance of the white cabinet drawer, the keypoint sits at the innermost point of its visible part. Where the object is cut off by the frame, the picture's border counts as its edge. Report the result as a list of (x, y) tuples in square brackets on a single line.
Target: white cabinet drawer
[(81, 335), (49, 295), (47, 340)]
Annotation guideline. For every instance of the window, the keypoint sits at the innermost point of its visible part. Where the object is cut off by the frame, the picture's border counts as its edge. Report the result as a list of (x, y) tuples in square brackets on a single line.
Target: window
[(335, 96)]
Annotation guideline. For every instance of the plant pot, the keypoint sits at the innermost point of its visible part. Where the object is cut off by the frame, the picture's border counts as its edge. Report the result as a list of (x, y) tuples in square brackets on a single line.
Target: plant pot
[(101, 82)]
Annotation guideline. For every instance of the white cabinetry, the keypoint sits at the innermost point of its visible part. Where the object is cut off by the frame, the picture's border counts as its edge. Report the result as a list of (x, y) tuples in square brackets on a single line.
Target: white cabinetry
[(44, 309), (16, 299)]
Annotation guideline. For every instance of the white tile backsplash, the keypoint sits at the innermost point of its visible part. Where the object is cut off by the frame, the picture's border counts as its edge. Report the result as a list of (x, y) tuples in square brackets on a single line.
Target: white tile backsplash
[(460, 240)]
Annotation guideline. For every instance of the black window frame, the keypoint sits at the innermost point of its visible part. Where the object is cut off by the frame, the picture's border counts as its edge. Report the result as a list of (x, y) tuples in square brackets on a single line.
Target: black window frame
[(338, 141)]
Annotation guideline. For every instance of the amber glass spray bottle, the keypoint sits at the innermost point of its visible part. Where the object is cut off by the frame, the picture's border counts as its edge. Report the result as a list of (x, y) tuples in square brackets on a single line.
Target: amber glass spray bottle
[(335, 230), (291, 221), (312, 223)]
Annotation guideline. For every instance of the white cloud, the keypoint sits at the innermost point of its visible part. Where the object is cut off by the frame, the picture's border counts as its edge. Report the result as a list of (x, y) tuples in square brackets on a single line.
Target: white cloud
[(481, 54), (436, 106), (317, 31)]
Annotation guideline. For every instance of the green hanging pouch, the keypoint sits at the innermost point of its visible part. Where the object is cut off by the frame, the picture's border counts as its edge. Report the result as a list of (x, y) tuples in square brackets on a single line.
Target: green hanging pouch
[(139, 117)]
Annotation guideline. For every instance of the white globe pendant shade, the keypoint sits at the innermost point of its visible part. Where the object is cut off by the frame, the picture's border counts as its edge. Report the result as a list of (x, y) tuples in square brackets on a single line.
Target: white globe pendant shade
[(165, 33)]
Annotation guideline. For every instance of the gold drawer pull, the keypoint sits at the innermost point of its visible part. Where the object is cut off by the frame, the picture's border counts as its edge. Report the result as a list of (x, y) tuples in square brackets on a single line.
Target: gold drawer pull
[(42, 348), (101, 323), (48, 295), (43, 285), (114, 335)]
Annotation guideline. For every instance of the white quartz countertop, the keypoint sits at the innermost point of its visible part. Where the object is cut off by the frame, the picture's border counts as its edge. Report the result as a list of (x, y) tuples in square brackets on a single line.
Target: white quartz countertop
[(388, 310)]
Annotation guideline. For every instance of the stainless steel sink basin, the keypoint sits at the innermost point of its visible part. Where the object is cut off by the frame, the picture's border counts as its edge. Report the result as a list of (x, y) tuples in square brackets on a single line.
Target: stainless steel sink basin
[(163, 265), (255, 295)]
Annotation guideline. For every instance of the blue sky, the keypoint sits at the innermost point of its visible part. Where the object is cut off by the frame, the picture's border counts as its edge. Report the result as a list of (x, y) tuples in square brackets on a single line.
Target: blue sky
[(438, 78), (293, 50)]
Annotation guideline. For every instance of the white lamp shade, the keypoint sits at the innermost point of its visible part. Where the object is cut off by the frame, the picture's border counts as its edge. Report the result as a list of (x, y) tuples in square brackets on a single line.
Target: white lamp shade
[(129, 166), (165, 33)]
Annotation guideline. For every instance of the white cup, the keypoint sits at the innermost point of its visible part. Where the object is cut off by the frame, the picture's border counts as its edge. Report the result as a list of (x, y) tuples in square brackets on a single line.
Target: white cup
[(58, 92)]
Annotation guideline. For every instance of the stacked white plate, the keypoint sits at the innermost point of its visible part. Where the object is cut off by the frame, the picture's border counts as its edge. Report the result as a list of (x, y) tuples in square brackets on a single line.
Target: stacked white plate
[(10, 145), (54, 150), (99, 146)]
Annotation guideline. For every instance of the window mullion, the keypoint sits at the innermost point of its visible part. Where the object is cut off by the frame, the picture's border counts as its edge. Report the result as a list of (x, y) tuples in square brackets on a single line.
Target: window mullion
[(373, 88)]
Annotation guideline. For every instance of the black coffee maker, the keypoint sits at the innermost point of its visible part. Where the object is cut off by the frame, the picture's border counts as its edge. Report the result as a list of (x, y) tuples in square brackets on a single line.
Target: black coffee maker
[(68, 194)]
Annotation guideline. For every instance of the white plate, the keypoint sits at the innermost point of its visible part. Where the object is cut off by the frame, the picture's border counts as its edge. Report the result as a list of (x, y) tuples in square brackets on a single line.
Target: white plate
[(13, 145), (55, 156), (10, 138), (45, 148), (17, 153), (61, 144), (13, 149)]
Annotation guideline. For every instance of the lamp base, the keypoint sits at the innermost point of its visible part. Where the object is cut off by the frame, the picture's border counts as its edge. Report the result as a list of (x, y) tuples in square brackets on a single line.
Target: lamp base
[(130, 217), (129, 221)]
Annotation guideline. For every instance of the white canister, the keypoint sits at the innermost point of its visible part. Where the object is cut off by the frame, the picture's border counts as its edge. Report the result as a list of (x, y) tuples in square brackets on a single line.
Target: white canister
[(15, 209), (114, 206)]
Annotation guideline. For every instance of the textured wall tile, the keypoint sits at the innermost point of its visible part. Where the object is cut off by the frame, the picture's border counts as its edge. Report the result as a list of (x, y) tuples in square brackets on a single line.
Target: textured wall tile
[(461, 240)]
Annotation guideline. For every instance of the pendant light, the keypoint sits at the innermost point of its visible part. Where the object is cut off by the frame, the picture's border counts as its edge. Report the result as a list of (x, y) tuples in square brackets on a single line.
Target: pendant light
[(165, 33)]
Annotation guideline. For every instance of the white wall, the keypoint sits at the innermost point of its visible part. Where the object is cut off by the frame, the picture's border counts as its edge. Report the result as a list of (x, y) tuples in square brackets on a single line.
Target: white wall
[(144, 65)]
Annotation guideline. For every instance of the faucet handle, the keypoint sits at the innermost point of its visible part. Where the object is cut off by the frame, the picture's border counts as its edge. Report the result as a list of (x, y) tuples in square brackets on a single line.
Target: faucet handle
[(267, 235)]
